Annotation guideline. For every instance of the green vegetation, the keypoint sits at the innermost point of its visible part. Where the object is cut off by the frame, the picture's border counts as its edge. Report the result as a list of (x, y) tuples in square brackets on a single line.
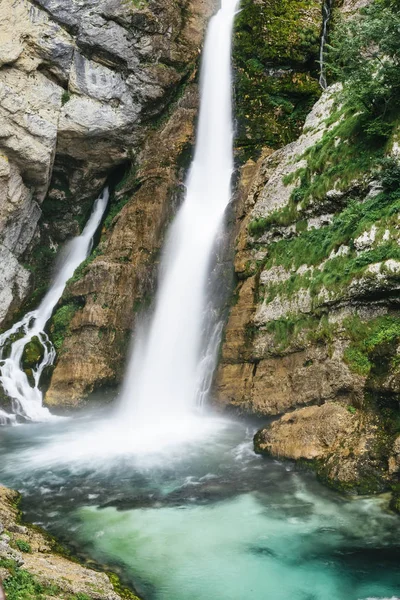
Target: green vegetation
[(41, 260), (357, 361), (23, 546), (300, 329), (343, 156), (316, 246), (369, 340), (66, 96), (32, 354), (60, 326), (275, 44), (115, 208), (124, 592), (365, 56), (83, 267), (21, 585)]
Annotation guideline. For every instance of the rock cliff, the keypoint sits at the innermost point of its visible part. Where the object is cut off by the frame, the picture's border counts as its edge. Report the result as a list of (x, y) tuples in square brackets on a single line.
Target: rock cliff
[(106, 91), (81, 83), (99, 309), (107, 293), (313, 332)]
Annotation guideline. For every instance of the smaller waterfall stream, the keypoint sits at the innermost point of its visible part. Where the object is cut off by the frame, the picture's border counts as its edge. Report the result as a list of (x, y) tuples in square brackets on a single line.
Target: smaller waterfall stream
[(27, 400), (326, 15)]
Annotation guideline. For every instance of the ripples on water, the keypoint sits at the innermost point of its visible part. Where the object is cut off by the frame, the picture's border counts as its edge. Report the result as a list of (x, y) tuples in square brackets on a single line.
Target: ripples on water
[(200, 516)]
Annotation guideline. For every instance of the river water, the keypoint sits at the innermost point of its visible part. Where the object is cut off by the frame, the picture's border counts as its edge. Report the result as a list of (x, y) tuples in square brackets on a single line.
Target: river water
[(202, 519)]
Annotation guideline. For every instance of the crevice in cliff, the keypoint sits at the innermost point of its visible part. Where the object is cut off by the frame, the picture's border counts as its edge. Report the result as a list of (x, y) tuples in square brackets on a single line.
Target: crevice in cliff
[(45, 70)]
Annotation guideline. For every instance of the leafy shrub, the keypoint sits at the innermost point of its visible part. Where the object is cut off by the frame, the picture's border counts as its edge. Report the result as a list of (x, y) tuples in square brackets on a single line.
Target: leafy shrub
[(23, 546), (365, 56)]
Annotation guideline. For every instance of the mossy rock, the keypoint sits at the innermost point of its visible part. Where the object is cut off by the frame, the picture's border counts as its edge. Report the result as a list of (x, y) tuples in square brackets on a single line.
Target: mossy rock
[(33, 353), (60, 324), (275, 49)]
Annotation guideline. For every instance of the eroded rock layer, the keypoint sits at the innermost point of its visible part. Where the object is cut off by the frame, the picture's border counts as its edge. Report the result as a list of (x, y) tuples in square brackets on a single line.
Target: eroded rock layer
[(111, 289)]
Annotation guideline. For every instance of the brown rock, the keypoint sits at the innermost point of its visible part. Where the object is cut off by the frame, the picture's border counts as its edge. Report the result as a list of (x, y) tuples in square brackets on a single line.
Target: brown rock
[(343, 445), (310, 432), (277, 384), (43, 563)]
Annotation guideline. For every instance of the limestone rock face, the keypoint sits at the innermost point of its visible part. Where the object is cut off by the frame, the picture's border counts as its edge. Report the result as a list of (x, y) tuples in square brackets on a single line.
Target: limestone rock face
[(42, 562), (80, 83), (275, 385), (313, 334), (253, 375)]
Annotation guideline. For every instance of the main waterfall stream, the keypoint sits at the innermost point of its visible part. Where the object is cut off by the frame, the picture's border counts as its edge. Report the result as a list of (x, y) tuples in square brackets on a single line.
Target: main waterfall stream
[(165, 375), (176, 501)]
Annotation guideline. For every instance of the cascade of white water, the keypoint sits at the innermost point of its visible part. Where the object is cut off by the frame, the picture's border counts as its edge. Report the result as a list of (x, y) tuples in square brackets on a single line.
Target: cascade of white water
[(27, 400), (171, 356), (326, 15)]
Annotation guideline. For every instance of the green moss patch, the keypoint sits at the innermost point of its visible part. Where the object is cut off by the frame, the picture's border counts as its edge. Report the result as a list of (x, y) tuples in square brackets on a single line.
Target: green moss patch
[(275, 44), (32, 354), (22, 585), (23, 546), (60, 325)]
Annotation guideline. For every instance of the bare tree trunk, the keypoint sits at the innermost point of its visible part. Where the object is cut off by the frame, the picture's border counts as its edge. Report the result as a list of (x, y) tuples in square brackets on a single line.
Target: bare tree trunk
[(2, 594)]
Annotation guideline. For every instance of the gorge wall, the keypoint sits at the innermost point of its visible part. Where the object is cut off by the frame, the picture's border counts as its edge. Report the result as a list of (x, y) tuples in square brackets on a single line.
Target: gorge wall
[(123, 79), (81, 84), (313, 332)]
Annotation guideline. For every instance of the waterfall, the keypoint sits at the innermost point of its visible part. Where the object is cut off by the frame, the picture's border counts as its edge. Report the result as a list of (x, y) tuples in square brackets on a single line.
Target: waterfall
[(326, 15), (171, 355), (27, 400)]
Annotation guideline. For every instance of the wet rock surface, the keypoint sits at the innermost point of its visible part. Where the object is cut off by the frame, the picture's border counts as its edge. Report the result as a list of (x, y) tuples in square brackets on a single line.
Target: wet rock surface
[(340, 444), (117, 285)]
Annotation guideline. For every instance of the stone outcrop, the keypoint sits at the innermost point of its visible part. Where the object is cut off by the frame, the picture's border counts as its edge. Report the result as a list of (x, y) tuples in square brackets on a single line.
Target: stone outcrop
[(342, 446), (259, 371), (24, 549), (80, 84)]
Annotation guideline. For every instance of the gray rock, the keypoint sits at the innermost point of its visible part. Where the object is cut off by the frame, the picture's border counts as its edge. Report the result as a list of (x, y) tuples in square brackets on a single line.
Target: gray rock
[(80, 79)]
